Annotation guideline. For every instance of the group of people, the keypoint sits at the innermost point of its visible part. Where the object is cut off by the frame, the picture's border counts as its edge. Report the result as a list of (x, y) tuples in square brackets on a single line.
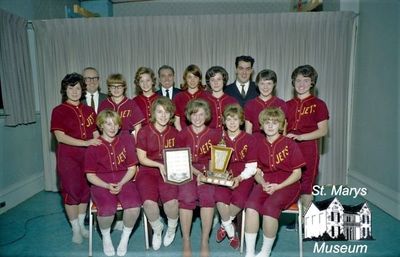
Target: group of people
[(110, 150)]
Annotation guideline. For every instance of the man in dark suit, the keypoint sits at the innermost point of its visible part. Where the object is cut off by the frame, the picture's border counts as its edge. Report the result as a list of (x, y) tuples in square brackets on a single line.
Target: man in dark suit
[(166, 75), (243, 89), (93, 96)]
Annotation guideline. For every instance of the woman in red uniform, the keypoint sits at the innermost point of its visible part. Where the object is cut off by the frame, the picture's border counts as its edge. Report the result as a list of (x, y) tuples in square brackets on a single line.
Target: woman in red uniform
[(192, 88), (145, 82), (307, 122), (110, 168), (199, 138), (128, 110), (266, 82), (243, 164), (152, 139), (279, 161), (74, 127), (216, 79)]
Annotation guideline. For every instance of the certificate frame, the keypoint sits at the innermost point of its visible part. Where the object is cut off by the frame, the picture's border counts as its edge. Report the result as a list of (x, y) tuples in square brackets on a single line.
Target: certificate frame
[(178, 165)]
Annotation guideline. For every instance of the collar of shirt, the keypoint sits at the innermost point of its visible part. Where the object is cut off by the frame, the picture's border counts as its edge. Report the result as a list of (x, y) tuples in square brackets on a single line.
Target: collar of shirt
[(164, 91), (95, 98), (246, 86)]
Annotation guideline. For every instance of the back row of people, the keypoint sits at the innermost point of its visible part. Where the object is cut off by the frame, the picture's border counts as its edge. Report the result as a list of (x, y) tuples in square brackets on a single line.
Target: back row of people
[(74, 127)]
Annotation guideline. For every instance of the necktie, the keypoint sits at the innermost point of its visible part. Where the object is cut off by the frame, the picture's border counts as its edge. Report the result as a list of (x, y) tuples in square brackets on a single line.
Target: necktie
[(242, 92), (167, 93), (92, 101)]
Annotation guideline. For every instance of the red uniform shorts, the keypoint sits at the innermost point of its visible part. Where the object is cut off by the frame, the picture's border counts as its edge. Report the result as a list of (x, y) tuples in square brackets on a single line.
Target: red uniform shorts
[(237, 196), (273, 205), (107, 203), (151, 186)]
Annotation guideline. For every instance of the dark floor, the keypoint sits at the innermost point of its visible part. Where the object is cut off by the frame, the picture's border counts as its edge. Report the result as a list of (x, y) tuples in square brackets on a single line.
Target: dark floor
[(38, 227)]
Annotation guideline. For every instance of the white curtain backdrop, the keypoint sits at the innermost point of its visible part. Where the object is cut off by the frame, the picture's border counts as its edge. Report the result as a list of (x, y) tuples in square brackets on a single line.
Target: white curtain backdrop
[(279, 41), (15, 71)]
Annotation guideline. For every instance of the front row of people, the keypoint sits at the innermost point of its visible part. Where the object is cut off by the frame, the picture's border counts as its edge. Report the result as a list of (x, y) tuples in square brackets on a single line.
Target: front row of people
[(111, 164)]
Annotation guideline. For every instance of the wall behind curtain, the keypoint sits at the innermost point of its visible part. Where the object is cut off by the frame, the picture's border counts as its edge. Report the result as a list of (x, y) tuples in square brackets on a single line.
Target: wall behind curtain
[(277, 41)]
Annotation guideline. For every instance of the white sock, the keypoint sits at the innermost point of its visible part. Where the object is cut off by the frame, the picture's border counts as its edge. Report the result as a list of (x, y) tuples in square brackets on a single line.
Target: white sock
[(108, 247), (123, 243), (172, 223), (157, 225), (228, 226), (83, 230), (266, 247), (76, 232), (250, 239)]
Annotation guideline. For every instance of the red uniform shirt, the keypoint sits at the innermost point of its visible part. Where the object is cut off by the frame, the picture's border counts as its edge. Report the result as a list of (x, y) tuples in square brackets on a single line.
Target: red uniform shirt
[(75, 121), (217, 106), (279, 159), (128, 110), (181, 100), (153, 142), (244, 151), (304, 115), (111, 158), (253, 108), (200, 144), (144, 104)]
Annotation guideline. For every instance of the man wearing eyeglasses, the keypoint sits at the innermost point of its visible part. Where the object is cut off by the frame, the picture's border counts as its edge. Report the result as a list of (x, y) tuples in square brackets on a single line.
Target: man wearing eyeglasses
[(93, 96)]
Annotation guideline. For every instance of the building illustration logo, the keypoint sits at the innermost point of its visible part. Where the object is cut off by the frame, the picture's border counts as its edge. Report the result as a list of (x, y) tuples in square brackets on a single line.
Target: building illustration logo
[(329, 220)]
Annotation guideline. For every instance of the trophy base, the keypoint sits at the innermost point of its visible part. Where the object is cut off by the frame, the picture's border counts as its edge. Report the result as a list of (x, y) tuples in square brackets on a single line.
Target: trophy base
[(217, 181)]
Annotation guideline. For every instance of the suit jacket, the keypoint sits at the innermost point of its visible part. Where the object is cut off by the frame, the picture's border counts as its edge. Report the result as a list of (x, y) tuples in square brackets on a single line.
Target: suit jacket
[(102, 97), (233, 91), (174, 92)]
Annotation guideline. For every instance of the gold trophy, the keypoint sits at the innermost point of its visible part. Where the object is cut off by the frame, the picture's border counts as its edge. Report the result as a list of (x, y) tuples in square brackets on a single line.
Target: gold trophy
[(217, 173)]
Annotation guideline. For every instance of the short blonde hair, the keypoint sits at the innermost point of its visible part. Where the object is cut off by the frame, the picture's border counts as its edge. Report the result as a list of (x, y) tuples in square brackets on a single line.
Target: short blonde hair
[(234, 109), (193, 107), (166, 103), (104, 115), (274, 114)]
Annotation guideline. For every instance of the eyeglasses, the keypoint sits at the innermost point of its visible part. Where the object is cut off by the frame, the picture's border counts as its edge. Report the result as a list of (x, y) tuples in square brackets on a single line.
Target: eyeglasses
[(115, 86), (91, 78)]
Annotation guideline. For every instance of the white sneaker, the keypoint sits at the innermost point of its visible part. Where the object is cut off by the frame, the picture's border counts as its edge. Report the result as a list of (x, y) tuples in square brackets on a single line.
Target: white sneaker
[(169, 236), (156, 241), (119, 225)]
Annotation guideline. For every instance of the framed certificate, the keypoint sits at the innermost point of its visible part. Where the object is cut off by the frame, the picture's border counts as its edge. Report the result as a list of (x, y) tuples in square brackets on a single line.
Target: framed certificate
[(178, 163)]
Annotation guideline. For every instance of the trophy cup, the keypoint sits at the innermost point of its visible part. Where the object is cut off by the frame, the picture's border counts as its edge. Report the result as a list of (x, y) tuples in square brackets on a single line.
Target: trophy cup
[(217, 173)]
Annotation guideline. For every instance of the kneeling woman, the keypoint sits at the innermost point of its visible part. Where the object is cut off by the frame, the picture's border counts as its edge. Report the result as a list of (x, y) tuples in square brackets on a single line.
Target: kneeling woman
[(280, 161), (110, 167)]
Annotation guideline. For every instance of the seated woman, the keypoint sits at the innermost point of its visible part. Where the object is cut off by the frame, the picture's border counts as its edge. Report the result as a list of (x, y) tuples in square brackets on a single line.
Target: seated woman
[(243, 164), (279, 160), (152, 139), (110, 168), (199, 138)]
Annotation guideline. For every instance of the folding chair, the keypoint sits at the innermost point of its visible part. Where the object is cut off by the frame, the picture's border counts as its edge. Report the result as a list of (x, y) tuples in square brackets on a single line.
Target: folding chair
[(297, 208), (93, 211)]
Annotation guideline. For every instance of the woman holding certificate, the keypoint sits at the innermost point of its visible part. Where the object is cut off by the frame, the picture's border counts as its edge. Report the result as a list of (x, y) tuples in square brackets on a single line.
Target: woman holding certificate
[(152, 139), (199, 138)]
